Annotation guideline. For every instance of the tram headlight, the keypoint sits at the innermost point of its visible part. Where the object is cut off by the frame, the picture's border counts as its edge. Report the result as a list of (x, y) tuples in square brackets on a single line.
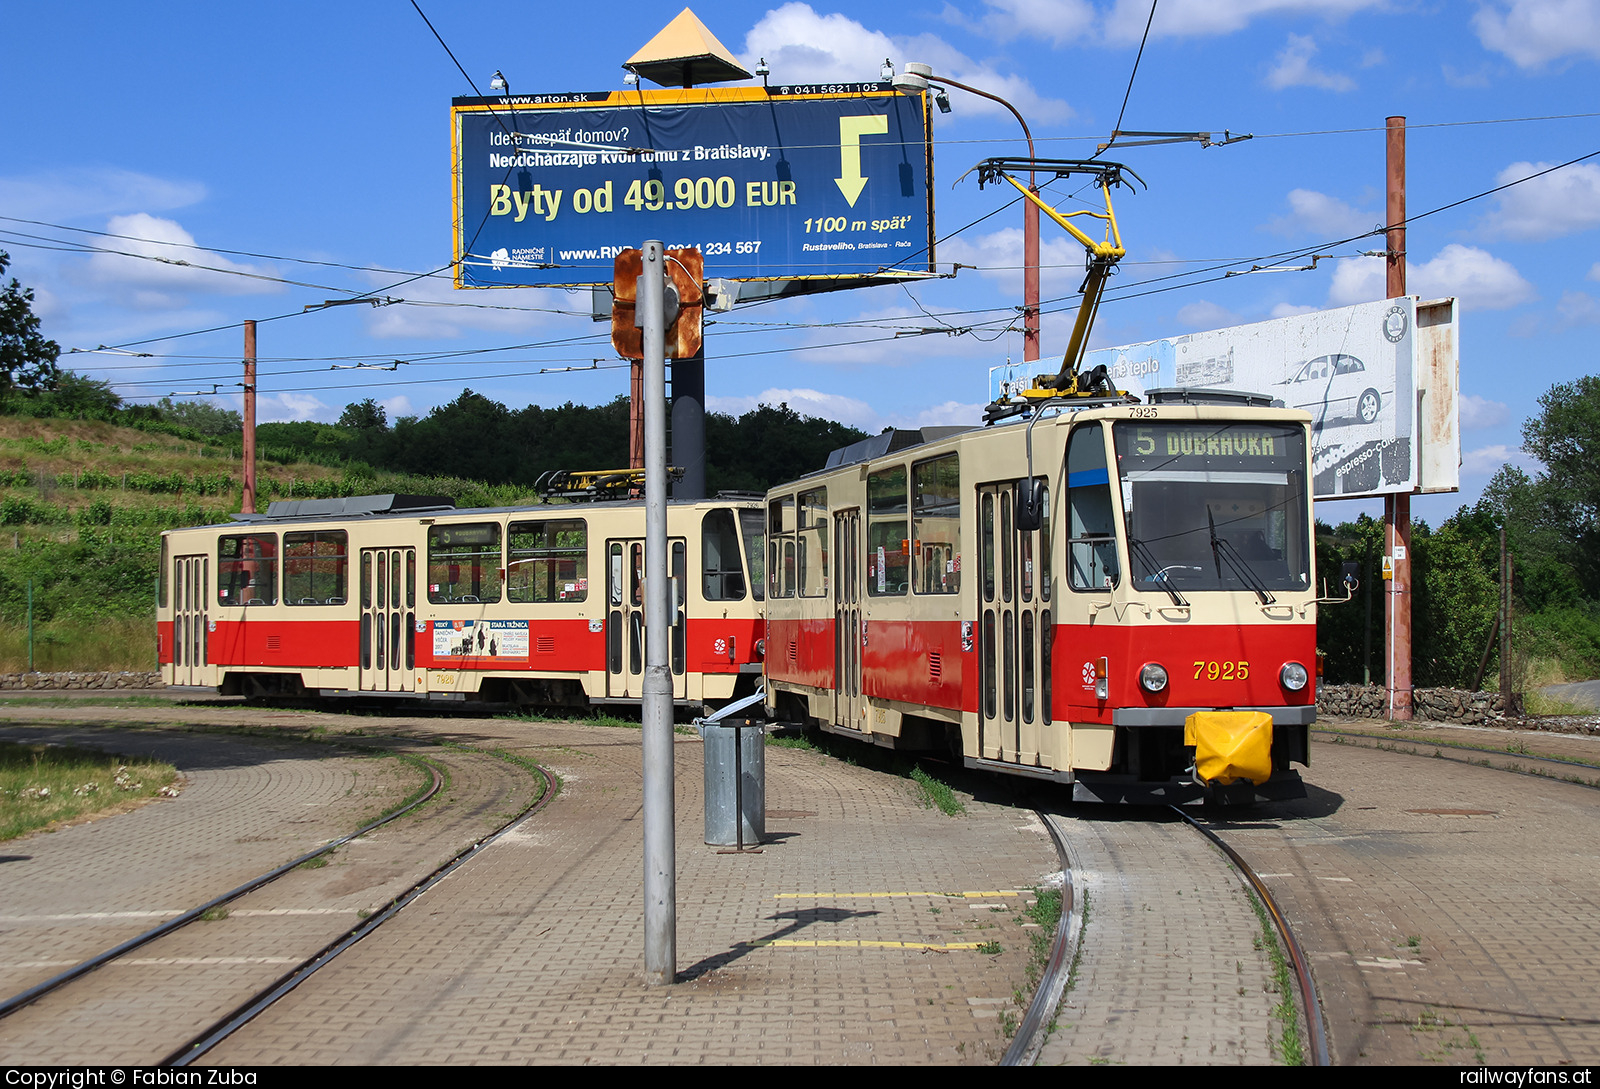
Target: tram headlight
[(1293, 676), (1153, 678)]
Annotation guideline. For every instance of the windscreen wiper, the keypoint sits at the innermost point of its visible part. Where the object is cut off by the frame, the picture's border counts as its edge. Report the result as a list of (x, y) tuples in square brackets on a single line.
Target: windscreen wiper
[(1160, 577), (1222, 549)]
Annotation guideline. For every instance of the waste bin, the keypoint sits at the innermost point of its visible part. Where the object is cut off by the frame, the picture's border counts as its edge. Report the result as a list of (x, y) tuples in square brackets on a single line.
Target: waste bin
[(736, 781)]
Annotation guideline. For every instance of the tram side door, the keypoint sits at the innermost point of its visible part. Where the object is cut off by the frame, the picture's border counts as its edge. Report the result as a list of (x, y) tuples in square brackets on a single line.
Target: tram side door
[(191, 590), (1014, 629), (388, 646), (625, 621), (849, 709)]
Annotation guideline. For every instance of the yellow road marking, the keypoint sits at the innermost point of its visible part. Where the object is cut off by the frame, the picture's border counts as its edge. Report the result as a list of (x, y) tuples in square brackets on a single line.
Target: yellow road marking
[(793, 943), (880, 895)]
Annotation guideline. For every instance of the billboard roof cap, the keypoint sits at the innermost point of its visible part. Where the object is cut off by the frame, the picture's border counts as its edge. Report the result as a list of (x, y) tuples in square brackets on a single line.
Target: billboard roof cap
[(684, 53)]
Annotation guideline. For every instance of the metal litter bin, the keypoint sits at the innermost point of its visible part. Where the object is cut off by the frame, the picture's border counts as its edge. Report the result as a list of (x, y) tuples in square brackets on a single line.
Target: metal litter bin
[(736, 779)]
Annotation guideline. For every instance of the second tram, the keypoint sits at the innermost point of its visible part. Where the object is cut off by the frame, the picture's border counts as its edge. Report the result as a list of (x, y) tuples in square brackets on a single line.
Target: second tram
[(407, 596)]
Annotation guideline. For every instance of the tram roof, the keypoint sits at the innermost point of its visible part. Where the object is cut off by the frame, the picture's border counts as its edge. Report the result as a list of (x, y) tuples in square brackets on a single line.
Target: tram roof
[(394, 505)]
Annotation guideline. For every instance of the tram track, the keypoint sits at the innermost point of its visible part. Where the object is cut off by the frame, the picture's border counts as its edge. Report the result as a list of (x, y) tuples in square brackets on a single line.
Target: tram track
[(64, 985)]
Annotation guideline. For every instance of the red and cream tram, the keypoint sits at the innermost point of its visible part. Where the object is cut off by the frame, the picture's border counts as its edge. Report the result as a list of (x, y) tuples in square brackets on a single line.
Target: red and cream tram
[(407, 596), (1117, 596)]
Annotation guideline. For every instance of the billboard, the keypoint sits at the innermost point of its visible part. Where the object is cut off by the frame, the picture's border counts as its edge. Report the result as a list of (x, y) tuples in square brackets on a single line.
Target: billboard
[(783, 183), (1379, 379)]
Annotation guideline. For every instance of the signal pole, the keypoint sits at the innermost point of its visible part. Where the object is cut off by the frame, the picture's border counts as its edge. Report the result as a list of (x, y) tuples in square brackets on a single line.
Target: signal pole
[(1397, 505), (660, 861)]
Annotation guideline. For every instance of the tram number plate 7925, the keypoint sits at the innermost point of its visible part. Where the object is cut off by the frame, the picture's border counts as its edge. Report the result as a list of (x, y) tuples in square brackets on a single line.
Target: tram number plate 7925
[(1222, 671)]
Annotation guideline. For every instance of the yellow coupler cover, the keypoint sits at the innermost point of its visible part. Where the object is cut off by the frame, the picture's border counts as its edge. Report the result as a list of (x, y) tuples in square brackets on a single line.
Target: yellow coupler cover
[(1230, 745)]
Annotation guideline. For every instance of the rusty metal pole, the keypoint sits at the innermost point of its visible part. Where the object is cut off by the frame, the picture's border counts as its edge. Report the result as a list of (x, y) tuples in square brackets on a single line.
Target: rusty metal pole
[(249, 504), (636, 415), (1397, 506)]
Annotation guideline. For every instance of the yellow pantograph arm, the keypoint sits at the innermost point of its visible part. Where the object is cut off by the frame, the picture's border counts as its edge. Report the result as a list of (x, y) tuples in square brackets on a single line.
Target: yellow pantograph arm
[(1110, 248)]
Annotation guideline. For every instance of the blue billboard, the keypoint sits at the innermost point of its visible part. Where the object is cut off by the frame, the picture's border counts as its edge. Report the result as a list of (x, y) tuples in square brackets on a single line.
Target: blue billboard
[(781, 183)]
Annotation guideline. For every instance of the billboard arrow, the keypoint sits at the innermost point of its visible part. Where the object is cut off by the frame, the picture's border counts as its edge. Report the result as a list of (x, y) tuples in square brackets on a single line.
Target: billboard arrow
[(851, 130)]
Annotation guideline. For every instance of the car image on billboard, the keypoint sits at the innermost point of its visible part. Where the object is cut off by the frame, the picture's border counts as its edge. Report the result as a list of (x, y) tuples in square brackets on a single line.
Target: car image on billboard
[(1338, 387)]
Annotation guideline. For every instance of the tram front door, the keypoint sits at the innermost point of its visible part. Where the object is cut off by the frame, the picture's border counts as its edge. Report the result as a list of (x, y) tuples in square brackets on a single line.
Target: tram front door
[(1015, 630), (388, 619), (625, 626)]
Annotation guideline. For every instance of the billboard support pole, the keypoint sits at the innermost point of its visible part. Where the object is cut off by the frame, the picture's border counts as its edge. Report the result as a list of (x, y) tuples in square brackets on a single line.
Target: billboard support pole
[(660, 861), (1397, 506), (248, 506), (689, 424)]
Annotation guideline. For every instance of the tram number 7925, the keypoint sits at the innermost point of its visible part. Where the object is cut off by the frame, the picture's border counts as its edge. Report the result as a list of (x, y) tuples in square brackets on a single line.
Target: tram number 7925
[(1222, 671)]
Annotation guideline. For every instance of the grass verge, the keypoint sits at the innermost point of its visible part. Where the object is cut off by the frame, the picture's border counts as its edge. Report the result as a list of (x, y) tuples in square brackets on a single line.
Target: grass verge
[(41, 784), (934, 793), (1288, 1044)]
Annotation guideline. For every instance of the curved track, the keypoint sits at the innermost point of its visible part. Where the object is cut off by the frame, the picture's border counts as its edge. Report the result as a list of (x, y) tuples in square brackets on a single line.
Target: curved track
[(1440, 900), (188, 972)]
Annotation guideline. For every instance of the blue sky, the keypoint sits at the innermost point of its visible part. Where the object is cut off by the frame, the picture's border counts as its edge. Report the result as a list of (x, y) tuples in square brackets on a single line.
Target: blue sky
[(300, 132)]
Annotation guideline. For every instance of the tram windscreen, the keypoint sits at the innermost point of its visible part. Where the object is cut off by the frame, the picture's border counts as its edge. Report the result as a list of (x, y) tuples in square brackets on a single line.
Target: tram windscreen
[(1215, 505)]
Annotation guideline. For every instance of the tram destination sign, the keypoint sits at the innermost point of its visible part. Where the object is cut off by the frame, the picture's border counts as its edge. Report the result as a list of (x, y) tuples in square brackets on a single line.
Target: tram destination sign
[(789, 183), (1380, 380)]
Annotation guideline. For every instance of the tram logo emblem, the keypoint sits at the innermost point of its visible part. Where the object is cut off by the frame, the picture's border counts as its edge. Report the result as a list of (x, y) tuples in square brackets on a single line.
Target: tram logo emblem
[(1088, 674), (720, 647)]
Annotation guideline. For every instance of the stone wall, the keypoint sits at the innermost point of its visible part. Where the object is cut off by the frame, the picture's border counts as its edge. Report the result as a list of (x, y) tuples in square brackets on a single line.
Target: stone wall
[(1429, 704), (80, 680)]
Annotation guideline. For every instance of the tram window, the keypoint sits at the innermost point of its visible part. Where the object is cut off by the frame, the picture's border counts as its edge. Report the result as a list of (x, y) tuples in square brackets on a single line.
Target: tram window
[(316, 567), (1091, 539), (813, 539), (464, 563), (1044, 539), (548, 560), (780, 515), (161, 576), (888, 535), (755, 550), (936, 525), (247, 569), (721, 572)]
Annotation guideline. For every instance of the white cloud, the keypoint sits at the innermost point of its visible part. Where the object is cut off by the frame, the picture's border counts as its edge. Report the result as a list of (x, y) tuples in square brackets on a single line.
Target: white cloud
[(1289, 310), (1294, 68), (1559, 203), (802, 46), (1480, 412), (293, 407), (1578, 308), (1207, 315), (1486, 460), (998, 257), (396, 406), (435, 309), (150, 281), (1594, 271), (1061, 22), (1481, 280), (72, 194), (1534, 32), (1311, 212), (1194, 18)]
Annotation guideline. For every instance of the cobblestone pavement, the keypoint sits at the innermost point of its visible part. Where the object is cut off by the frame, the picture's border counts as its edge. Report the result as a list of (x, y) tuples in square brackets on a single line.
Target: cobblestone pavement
[(1172, 969), (248, 805), (1450, 911), (850, 938)]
